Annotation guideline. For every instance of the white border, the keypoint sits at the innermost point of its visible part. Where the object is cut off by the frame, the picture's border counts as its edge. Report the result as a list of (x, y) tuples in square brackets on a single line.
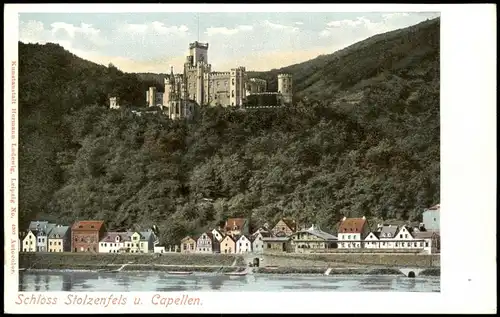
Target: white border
[(468, 170)]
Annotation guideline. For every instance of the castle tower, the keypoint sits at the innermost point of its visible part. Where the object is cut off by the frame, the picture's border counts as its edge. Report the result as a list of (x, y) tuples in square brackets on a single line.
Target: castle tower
[(200, 83), (237, 86), (285, 87), (199, 53), (114, 103), (151, 97)]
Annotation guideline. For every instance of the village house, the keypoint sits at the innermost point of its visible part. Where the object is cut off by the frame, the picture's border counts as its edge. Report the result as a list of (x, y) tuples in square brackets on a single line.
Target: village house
[(382, 238), (237, 227), (141, 242), (207, 243), (86, 234), (243, 245), (188, 245), (276, 244), (42, 237), (37, 225), (258, 242), (431, 241), (431, 219), (227, 245), (60, 239), (114, 242), (217, 234), (372, 240), (312, 239), (285, 225), (29, 242), (352, 232)]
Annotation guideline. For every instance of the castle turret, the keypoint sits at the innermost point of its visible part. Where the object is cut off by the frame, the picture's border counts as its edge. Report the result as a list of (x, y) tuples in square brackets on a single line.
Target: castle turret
[(114, 103), (285, 87), (151, 97)]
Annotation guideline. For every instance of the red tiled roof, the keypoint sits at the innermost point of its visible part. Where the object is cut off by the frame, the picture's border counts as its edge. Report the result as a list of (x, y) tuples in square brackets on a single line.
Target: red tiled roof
[(238, 222), (352, 225), (87, 225)]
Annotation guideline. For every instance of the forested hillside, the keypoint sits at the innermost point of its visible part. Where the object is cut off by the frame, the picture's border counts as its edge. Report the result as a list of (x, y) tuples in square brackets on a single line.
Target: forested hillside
[(362, 139)]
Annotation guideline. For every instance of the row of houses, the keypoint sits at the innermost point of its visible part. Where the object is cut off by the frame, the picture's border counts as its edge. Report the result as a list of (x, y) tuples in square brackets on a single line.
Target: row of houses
[(235, 237), (85, 236), (285, 236)]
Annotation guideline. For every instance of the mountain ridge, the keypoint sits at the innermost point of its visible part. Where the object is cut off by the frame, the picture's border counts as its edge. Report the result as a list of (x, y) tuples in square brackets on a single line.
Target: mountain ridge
[(362, 138)]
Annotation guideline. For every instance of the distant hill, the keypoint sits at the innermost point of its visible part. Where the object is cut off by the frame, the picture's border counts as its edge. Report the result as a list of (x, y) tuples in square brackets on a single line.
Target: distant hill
[(361, 139), (410, 53)]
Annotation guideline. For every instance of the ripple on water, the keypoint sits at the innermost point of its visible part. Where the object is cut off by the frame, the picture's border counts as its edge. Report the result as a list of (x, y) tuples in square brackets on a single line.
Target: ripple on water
[(134, 281)]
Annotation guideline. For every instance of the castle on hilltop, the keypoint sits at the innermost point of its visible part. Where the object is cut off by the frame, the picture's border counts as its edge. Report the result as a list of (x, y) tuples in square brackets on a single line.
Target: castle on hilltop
[(199, 85)]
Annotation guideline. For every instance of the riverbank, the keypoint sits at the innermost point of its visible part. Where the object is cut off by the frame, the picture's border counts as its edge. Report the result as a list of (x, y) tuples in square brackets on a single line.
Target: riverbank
[(104, 260), (224, 263), (352, 260)]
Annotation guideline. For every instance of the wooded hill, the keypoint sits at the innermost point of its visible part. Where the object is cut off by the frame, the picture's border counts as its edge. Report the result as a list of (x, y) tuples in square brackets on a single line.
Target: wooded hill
[(362, 139)]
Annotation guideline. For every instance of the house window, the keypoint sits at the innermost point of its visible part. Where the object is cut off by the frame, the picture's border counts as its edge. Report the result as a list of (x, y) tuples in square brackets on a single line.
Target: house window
[(401, 236), (421, 244), (434, 219), (269, 245), (406, 236), (184, 247), (426, 244)]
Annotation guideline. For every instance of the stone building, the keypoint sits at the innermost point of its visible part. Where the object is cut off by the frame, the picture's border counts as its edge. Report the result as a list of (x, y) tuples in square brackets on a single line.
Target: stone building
[(85, 235), (114, 103), (199, 85)]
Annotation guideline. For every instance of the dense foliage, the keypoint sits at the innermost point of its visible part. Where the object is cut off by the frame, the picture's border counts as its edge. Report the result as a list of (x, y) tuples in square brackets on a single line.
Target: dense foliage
[(362, 139)]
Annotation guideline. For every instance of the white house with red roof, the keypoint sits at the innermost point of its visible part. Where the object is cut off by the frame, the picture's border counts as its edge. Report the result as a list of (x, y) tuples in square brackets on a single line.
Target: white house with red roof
[(352, 232)]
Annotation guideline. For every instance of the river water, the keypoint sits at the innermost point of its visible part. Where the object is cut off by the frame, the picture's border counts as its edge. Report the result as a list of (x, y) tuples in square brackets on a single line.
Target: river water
[(55, 281)]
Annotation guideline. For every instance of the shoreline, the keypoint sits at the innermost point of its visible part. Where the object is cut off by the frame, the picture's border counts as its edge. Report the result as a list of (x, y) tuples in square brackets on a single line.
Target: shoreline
[(282, 271), (230, 263)]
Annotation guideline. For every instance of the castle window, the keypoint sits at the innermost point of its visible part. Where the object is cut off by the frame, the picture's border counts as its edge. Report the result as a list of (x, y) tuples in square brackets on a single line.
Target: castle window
[(232, 93), (232, 81), (225, 83)]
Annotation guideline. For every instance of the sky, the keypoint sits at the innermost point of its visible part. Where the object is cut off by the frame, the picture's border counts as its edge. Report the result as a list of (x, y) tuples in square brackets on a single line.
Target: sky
[(153, 42)]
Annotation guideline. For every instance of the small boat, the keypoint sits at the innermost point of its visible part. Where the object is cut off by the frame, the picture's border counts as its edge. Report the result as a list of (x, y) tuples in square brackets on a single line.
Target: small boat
[(236, 273), (179, 273), (22, 269)]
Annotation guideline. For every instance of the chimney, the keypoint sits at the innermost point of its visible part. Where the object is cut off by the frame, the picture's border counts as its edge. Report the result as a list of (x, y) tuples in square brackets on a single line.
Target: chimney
[(343, 219), (363, 217)]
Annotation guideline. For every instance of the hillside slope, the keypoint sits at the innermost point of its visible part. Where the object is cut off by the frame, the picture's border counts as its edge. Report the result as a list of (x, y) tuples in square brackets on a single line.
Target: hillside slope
[(358, 142)]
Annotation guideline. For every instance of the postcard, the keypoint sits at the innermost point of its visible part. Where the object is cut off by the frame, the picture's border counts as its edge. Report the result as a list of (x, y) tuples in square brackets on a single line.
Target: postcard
[(232, 158)]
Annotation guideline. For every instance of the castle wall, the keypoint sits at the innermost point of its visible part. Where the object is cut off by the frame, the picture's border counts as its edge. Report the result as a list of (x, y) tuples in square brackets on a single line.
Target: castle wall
[(255, 86)]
